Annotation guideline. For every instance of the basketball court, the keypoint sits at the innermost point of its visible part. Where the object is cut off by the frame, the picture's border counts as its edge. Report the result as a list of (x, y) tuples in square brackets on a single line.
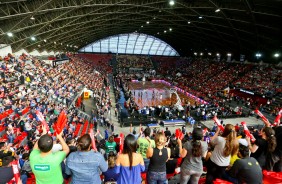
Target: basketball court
[(151, 93)]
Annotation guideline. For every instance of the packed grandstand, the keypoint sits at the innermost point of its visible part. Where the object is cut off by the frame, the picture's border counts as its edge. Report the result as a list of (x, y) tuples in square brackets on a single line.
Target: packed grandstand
[(45, 124), (140, 92)]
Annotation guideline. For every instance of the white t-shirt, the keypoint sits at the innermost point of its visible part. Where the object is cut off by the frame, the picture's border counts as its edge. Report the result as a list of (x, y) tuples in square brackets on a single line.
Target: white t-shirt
[(217, 156), (56, 148), (27, 126)]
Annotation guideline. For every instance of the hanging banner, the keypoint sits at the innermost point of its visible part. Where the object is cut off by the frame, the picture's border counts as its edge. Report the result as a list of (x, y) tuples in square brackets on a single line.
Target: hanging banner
[(86, 94), (228, 58), (242, 57)]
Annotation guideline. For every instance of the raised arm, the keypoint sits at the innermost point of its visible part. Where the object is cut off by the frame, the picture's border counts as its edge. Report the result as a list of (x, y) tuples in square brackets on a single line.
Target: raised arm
[(182, 152), (65, 147)]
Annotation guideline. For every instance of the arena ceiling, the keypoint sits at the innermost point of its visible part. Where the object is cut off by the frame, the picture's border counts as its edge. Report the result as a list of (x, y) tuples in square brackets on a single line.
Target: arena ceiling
[(244, 26)]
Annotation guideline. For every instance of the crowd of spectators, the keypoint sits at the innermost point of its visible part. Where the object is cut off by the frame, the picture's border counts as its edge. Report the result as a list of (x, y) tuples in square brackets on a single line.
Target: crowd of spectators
[(207, 79), (131, 61), (30, 87), (261, 79)]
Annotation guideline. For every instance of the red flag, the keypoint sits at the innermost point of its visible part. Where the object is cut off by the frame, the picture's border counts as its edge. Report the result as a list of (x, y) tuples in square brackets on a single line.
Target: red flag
[(93, 139), (61, 122), (16, 171), (179, 134), (205, 131), (41, 118), (264, 119), (247, 132), (219, 125), (277, 119), (121, 135)]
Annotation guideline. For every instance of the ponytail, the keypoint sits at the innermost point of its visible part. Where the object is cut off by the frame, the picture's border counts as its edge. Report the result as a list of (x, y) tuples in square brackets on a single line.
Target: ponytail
[(196, 148), (271, 139), (231, 145), (197, 136)]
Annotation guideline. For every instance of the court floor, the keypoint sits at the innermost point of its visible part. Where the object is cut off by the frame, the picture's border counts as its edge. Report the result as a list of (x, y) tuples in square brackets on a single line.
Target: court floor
[(155, 93)]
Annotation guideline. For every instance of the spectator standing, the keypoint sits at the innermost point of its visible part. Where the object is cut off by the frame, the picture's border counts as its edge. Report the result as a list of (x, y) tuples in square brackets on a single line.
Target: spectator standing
[(6, 171), (130, 164), (45, 164), (106, 133), (110, 175), (112, 127), (274, 159), (110, 145), (84, 165), (224, 146), (25, 169), (264, 145), (143, 145), (167, 132), (193, 151), (158, 157)]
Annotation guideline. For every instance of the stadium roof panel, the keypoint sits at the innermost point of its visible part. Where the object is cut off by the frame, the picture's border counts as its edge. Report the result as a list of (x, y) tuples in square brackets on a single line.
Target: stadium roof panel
[(132, 43), (243, 26)]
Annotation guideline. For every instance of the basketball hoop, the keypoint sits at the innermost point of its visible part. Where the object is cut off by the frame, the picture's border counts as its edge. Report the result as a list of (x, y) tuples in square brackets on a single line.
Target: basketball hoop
[(177, 105)]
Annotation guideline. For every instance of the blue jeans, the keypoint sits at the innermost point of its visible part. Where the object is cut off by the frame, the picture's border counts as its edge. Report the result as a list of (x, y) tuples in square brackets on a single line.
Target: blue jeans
[(156, 177), (11, 138), (146, 163), (24, 178)]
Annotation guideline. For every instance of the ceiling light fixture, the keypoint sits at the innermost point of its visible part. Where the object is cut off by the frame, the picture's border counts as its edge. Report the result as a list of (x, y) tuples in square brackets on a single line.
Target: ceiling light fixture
[(189, 22), (33, 38), (45, 40), (164, 31), (170, 29), (276, 55), (171, 2), (228, 54), (258, 55), (141, 26), (32, 18), (10, 34), (217, 10), (147, 22), (200, 17)]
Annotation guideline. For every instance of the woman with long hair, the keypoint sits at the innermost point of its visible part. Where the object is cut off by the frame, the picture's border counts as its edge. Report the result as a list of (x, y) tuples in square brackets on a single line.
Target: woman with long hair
[(129, 163), (225, 145), (84, 165), (158, 158), (263, 145), (110, 174), (192, 152)]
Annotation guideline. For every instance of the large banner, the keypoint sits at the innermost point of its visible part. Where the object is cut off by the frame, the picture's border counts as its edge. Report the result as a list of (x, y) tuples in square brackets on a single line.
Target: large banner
[(60, 61), (242, 58)]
